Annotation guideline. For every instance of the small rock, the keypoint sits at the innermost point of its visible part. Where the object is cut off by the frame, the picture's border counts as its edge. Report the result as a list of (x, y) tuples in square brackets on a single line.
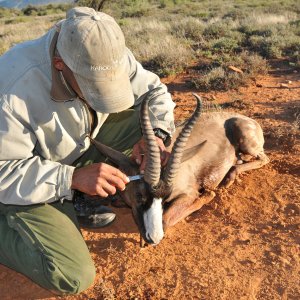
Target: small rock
[(289, 82), (203, 284), (239, 162), (295, 71), (244, 237), (284, 86), (229, 211), (253, 260), (284, 260), (237, 70), (282, 248), (214, 205)]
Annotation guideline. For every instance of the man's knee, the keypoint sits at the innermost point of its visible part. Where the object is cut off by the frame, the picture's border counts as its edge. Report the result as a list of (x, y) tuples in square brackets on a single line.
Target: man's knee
[(52, 254), (65, 279)]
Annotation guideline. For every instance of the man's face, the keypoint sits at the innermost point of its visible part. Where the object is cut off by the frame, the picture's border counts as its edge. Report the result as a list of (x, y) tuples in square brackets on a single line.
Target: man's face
[(68, 75)]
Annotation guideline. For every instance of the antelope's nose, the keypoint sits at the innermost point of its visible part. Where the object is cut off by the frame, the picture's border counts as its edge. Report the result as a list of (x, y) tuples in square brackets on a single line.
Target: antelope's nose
[(153, 240)]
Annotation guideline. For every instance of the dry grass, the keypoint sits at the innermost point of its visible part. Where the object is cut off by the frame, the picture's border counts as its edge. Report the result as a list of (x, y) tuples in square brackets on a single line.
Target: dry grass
[(153, 44), (167, 36), (264, 19), (29, 28)]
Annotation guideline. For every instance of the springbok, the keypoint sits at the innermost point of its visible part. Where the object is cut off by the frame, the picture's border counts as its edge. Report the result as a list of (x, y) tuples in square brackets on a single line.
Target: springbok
[(206, 152)]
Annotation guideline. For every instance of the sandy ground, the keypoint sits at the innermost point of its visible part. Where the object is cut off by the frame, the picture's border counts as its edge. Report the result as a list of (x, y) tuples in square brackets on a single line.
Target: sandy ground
[(245, 244)]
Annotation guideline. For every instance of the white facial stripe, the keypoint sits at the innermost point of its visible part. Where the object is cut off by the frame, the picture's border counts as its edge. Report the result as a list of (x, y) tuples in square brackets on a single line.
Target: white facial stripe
[(153, 221)]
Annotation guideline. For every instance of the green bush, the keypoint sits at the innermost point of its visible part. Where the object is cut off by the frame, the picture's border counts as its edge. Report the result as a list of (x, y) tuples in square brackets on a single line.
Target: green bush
[(225, 45), (216, 30), (251, 30), (167, 3), (135, 12), (219, 79), (235, 14), (189, 28), (218, 76), (44, 10), (275, 46), (30, 10), (268, 47)]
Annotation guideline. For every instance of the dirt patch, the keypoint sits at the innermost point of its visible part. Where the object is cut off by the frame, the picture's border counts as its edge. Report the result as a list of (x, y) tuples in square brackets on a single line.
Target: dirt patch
[(244, 245)]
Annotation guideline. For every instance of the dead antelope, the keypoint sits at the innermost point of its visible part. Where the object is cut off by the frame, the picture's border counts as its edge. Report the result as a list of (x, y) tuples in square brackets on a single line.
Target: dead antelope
[(205, 152)]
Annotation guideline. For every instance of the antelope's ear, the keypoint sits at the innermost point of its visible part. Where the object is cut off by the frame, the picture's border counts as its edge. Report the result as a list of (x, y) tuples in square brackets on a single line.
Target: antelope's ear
[(190, 152), (120, 159)]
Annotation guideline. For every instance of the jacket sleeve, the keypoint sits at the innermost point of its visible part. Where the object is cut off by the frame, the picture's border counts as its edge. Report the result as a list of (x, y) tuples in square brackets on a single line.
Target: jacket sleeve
[(25, 177), (161, 107)]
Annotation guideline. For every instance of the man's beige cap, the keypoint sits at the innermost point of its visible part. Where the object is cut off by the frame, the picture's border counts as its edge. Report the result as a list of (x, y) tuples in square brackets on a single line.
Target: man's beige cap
[(92, 45)]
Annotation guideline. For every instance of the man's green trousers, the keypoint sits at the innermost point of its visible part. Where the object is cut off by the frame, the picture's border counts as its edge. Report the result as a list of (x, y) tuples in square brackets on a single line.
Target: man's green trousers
[(43, 241)]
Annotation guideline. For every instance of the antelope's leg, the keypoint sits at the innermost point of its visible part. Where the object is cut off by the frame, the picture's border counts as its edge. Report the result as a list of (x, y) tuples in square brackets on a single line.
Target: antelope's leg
[(262, 159), (183, 206)]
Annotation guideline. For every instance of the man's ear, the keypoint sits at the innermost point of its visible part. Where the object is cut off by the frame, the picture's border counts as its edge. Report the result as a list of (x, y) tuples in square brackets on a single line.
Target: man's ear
[(58, 63)]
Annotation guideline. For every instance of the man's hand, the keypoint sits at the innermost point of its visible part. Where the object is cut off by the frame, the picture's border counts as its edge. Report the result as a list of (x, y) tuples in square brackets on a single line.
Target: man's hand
[(139, 153), (99, 179)]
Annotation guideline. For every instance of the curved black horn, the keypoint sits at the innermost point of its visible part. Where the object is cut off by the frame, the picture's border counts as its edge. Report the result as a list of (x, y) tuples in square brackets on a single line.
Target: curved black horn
[(173, 165), (153, 164)]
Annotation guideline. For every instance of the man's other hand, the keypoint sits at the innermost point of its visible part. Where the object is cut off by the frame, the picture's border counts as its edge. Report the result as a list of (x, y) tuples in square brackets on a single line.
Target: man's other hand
[(139, 153), (99, 179)]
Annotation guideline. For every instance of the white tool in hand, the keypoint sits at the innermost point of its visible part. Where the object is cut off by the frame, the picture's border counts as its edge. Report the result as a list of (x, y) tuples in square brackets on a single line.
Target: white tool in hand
[(135, 177)]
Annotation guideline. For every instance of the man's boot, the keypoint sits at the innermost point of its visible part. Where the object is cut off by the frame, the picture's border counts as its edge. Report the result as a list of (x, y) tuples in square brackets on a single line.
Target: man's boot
[(90, 211)]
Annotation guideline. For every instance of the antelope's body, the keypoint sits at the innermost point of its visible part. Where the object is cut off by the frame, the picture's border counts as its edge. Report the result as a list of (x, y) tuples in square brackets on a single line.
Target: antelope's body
[(207, 150), (228, 136), (209, 166)]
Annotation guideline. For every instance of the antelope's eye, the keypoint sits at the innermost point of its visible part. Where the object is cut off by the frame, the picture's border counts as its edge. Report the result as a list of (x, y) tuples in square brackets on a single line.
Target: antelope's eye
[(140, 197)]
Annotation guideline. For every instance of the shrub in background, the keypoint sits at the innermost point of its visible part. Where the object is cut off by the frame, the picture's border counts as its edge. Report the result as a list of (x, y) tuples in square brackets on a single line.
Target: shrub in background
[(167, 36), (155, 47), (222, 78)]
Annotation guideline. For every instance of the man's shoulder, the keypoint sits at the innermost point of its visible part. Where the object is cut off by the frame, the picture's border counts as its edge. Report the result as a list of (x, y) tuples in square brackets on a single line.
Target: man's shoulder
[(23, 61), (132, 63)]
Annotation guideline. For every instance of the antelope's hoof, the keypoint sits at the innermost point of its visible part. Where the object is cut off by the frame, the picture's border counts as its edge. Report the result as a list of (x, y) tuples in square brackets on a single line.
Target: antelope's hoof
[(208, 196), (230, 177), (228, 183), (204, 199)]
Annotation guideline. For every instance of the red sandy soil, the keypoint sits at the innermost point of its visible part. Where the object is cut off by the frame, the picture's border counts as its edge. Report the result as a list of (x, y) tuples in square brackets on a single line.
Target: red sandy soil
[(245, 244)]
